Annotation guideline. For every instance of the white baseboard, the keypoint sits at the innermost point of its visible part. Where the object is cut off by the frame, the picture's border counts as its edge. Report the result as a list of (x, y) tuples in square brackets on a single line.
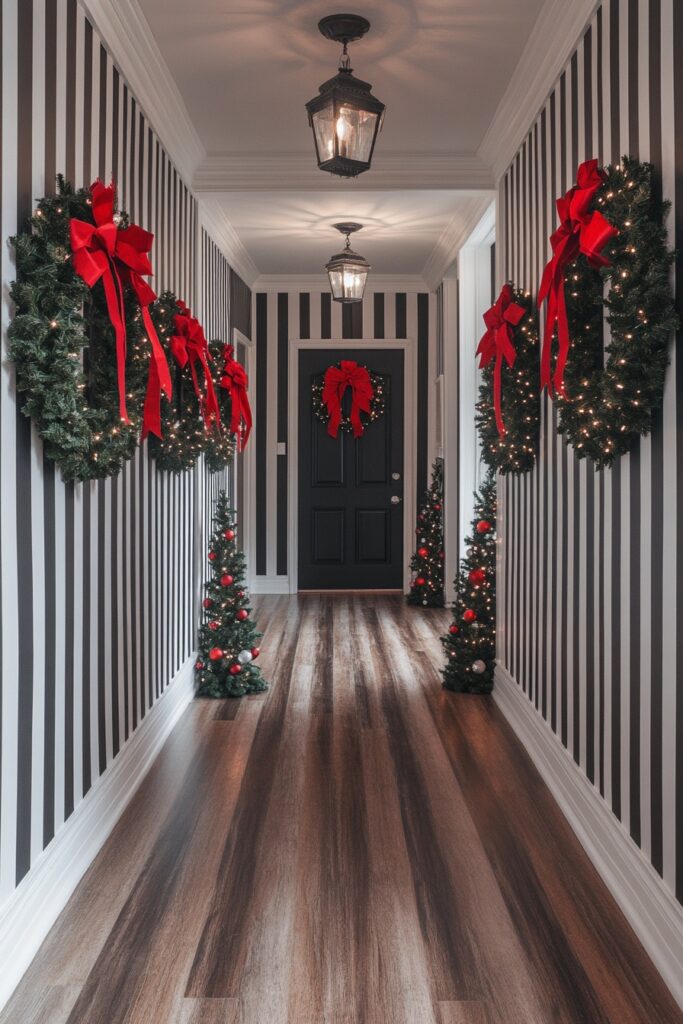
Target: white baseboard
[(650, 907), (269, 585), (33, 907)]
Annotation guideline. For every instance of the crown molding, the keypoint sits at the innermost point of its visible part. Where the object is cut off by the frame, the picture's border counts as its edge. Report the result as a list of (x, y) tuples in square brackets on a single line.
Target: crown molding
[(551, 42), (125, 32), (276, 172), (452, 240), (213, 219), (320, 283)]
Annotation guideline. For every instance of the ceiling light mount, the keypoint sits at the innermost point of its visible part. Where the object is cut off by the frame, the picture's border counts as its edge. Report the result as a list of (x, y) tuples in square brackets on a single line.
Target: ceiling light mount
[(345, 117), (347, 270)]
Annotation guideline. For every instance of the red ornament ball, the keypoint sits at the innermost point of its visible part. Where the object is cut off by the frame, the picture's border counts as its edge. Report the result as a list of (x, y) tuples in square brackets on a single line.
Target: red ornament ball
[(418, 531), (215, 654), (420, 581), (242, 615), (240, 593), (255, 651), (454, 630), (229, 534), (227, 580), (483, 526), (199, 665), (235, 669), (207, 602), (437, 507), (442, 555), (469, 615), (212, 556), (477, 576), (214, 624), (423, 552)]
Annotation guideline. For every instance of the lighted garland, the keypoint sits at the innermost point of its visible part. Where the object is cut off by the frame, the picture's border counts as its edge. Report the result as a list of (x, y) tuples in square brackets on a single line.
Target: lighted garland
[(377, 402), (62, 344), (219, 448), (514, 451), (611, 397)]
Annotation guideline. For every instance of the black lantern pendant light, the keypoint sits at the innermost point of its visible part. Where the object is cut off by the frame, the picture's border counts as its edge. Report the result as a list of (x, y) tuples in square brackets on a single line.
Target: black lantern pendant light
[(345, 116), (347, 271)]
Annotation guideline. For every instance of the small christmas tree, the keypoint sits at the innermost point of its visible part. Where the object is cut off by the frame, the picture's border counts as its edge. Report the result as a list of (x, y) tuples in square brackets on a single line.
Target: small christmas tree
[(426, 565), (470, 643), (227, 637)]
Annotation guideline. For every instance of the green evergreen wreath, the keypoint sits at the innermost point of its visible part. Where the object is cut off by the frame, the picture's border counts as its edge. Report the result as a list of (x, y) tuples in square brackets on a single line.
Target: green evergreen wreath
[(611, 396), (516, 451), (62, 344), (377, 403)]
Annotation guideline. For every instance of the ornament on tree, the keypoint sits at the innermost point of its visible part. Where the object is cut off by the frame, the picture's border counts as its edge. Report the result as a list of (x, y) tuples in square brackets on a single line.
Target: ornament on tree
[(227, 635), (477, 576), (475, 645), (427, 563), (199, 665), (212, 556), (207, 603), (255, 651), (483, 526)]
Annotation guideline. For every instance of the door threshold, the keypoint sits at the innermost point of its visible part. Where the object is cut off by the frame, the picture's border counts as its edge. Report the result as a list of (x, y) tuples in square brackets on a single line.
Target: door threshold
[(351, 590)]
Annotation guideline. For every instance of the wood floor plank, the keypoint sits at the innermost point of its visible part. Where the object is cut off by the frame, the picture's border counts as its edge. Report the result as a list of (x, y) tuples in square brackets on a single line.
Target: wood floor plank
[(356, 846)]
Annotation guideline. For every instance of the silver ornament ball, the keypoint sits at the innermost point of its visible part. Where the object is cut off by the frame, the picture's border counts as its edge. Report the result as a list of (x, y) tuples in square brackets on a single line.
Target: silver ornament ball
[(244, 657), (479, 666)]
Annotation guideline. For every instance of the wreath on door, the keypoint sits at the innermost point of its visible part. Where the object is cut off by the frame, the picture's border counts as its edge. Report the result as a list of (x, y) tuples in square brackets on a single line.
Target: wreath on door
[(367, 392)]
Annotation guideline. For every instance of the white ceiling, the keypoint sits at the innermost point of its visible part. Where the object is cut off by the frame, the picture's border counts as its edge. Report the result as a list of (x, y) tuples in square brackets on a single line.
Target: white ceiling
[(245, 69)]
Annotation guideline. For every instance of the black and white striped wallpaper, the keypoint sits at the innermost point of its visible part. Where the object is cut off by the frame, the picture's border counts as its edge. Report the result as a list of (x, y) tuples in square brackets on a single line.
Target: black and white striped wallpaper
[(281, 316), (99, 581), (593, 561)]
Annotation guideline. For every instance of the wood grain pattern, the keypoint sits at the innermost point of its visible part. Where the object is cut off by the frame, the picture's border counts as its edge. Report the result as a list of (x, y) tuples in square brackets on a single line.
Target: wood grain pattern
[(354, 847)]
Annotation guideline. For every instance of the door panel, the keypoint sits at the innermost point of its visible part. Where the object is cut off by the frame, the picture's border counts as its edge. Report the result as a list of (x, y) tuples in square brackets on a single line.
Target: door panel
[(350, 532)]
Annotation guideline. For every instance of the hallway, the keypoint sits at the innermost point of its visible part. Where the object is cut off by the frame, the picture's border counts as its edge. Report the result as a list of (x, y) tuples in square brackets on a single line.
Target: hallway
[(356, 846)]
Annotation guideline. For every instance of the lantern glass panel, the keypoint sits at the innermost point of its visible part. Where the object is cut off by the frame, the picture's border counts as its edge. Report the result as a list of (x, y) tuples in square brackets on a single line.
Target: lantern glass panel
[(348, 283), (355, 132), (323, 126)]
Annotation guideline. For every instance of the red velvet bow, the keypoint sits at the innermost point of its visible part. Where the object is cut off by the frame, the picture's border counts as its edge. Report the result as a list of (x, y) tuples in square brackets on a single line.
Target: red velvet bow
[(580, 231), (236, 382), (189, 345), (119, 258), (337, 380), (497, 343)]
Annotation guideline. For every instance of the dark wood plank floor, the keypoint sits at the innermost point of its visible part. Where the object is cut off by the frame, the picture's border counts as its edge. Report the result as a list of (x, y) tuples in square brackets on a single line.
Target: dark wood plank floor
[(355, 847)]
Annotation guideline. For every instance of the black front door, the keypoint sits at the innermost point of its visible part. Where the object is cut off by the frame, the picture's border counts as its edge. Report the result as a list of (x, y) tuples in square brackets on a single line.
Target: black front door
[(351, 490)]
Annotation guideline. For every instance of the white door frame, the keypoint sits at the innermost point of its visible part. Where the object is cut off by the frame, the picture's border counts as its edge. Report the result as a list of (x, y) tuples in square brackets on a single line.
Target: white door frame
[(296, 345), (244, 464)]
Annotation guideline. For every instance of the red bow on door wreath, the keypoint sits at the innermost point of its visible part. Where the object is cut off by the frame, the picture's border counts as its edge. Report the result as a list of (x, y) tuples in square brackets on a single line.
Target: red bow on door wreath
[(580, 231), (189, 345), (119, 257), (337, 379), (236, 382), (497, 343)]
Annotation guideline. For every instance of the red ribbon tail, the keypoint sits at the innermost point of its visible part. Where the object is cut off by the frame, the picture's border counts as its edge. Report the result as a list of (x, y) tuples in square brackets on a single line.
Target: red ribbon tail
[(158, 380), (497, 393), (546, 351), (114, 296)]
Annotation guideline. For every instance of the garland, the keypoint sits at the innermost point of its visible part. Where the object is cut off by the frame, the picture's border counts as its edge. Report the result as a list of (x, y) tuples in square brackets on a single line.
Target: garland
[(609, 398), (512, 338), (64, 346), (377, 404)]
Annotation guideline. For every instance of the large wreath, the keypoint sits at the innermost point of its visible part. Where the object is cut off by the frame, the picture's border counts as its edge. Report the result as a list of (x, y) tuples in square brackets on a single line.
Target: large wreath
[(377, 402), (610, 395), (507, 414), (63, 345), (191, 419)]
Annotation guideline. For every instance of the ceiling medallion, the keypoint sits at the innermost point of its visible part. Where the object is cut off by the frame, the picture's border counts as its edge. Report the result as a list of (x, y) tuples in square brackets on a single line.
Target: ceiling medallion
[(347, 271), (345, 116)]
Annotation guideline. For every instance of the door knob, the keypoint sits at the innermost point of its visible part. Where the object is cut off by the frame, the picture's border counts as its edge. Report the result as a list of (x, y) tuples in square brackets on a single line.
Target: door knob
[(395, 476), (395, 500)]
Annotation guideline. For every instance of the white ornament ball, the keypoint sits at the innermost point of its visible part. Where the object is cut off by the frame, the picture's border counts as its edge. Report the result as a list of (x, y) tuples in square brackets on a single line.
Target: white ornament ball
[(479, 666), (244, 657), (470, 552)]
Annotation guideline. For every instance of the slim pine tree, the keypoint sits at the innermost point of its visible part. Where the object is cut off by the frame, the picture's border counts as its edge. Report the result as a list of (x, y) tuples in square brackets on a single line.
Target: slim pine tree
[(227, 636), (470, 643), (426, 588)]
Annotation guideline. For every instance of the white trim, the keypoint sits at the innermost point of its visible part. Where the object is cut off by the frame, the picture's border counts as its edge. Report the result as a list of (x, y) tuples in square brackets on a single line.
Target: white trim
[(33, 907), (212, 218), (269, 585), (296, 345), (278, 171), (551, 42), (125, 32), (456, 234), (245, 463), (650, 907), (320, 283)]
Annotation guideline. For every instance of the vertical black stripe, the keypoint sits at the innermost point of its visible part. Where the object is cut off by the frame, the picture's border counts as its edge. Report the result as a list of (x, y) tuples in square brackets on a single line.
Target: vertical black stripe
[(304, 315), (326, 315), (69, 640), (422, 392), (378, 314), (282, 387), (87, 102), (678, 135), (401, 315), (86, 635), (115, 599), (261, 428)]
